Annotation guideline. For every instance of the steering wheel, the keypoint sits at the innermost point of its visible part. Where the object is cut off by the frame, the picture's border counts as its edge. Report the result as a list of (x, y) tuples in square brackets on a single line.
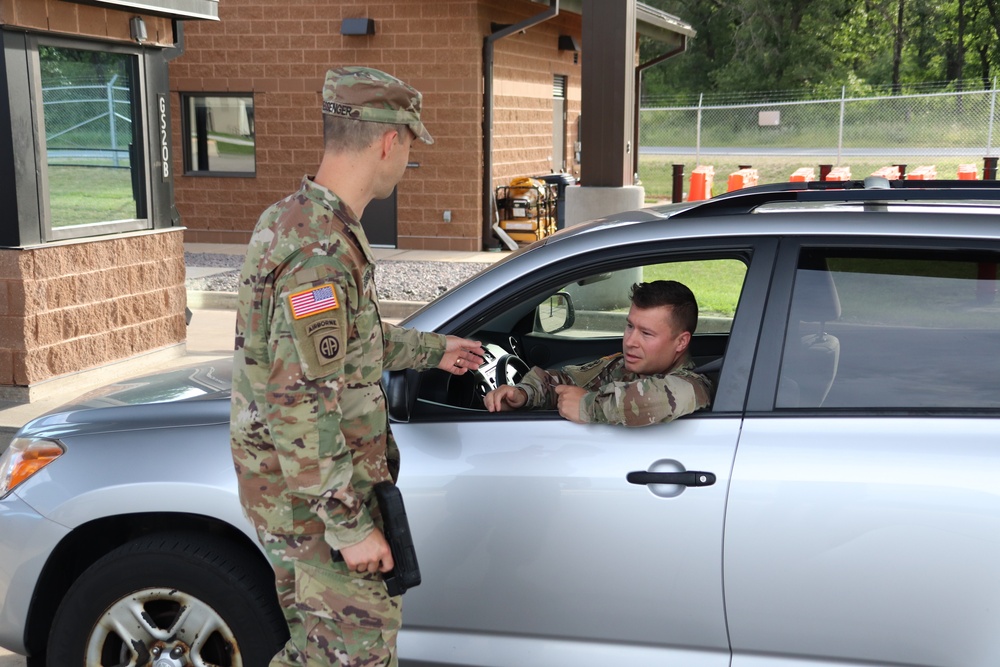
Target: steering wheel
[(510, 369), (469, 389)]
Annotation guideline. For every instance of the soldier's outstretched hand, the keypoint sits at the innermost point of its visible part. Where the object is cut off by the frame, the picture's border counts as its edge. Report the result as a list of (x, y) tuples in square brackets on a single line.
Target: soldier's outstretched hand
[(461, 355)]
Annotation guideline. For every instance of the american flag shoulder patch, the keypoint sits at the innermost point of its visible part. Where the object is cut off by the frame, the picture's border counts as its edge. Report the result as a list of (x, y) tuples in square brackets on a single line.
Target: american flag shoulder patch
[(313, 300)]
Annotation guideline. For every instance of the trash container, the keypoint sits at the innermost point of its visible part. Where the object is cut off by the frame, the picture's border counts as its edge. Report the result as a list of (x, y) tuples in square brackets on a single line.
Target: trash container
[(561, 181)]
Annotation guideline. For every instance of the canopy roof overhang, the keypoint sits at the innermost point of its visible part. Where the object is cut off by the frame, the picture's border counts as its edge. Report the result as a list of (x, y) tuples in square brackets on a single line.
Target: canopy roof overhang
[(649, 22), (175, 9)]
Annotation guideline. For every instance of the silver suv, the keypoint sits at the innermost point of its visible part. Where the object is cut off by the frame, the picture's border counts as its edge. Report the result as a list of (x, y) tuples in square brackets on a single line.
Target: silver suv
[(848, 512)]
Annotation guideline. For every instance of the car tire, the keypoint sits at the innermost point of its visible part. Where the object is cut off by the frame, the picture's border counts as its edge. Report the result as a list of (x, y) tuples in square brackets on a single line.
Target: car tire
[(201, 598)]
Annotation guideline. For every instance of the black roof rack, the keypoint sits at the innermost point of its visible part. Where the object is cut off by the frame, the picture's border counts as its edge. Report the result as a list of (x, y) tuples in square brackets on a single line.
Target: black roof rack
[(870, 190)]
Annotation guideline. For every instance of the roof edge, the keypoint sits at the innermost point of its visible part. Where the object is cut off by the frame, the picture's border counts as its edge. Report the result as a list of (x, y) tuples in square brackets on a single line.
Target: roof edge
[(649, 21), (207, 10)]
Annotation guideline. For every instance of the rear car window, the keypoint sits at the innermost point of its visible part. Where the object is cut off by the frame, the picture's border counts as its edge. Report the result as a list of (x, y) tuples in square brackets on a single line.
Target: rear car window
[(892, 329)]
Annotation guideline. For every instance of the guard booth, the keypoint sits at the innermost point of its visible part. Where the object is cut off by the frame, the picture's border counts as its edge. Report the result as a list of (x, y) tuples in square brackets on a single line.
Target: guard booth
[(91, 247)]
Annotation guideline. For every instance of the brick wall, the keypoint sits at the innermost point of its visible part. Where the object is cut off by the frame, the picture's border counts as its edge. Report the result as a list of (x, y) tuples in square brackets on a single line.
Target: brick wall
[(524, 67), (280, 51), (70, 18), (69, 307)]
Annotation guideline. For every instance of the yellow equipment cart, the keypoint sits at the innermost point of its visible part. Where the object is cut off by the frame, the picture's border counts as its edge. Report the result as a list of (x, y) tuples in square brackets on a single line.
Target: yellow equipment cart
[(527, 209)]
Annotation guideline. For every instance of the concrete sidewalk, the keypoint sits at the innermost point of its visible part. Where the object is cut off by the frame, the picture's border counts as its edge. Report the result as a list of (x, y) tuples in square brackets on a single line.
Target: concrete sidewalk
[(210, 332), (8, 659)]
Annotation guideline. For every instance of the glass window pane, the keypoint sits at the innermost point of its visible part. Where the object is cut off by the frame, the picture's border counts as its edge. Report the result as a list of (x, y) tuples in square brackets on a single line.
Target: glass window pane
[(91, 126), (893, 330), (220, 134), (716, 284), (601, 302)]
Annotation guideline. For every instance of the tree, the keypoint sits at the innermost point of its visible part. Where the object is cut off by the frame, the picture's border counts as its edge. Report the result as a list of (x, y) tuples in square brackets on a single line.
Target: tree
[(766, 45), (987, 44), (897, 45)]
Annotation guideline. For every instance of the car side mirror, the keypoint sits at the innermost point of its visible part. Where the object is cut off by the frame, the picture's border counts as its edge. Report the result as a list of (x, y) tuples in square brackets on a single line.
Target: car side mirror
[(400, 393), (555, 314)]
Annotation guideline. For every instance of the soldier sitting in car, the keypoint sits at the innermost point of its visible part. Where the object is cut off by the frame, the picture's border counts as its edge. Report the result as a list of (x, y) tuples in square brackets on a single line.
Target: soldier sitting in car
[(651, 381)]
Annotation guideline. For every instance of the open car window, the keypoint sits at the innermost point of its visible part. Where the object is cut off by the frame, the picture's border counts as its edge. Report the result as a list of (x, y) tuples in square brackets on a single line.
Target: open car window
[(582, 320), (600, 302)]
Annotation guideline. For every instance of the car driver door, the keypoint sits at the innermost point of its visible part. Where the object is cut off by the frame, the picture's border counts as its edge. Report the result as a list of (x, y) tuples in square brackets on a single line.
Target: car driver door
[(537, 549)]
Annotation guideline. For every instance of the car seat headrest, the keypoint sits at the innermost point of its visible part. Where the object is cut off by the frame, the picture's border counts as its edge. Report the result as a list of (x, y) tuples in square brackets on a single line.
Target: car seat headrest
[(815, 296)]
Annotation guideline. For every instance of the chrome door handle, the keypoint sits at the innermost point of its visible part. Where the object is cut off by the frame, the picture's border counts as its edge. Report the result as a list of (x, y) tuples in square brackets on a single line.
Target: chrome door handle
[(689, 478)]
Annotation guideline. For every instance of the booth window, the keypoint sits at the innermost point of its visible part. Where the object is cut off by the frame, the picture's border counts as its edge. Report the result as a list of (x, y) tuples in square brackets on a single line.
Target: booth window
[(94, 161), (219, 131)]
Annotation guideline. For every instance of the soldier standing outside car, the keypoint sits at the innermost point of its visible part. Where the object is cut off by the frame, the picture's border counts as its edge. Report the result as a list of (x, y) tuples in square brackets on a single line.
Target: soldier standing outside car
[(309, 429), (651, 381)]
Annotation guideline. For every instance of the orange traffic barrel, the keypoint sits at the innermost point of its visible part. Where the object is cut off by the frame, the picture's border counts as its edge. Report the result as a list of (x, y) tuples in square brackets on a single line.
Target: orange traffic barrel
[(742, 178), (892, 173), (968, 172), (839, 174), (701, 183), (803, 175), (923, 173)]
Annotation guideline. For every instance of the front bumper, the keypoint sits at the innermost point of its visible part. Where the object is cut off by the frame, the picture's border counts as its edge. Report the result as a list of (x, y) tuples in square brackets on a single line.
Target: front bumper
[(26, 540)]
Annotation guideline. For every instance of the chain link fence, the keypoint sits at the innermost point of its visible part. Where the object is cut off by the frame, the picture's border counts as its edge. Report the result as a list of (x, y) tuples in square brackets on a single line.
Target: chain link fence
[(944, 127), (89, 123), (90, 144)]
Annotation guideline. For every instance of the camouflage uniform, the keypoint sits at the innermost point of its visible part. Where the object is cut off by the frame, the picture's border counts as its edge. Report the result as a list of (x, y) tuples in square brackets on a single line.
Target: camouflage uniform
[(618, 396), (309, 428)]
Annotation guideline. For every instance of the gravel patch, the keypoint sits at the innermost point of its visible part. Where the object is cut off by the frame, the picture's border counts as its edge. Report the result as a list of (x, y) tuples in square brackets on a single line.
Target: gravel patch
[(396, 280)]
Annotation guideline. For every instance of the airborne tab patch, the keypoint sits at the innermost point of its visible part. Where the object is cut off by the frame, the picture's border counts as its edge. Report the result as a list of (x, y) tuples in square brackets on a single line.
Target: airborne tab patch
[(312, 301)]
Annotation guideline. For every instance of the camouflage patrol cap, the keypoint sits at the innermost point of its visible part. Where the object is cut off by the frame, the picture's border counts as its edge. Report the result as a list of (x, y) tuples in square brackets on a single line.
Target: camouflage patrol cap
[(363, 93)]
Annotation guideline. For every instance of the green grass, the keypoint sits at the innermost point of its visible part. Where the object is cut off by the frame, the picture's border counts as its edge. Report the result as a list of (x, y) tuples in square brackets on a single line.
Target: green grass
[(226, 148), (236, 147), (943, 121), (716, 283), (82, 195), (887, 292)]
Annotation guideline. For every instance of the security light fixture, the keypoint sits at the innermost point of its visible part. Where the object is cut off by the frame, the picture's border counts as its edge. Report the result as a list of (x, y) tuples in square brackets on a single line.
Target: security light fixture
[(568, 43), (362, 26), (137, 28)]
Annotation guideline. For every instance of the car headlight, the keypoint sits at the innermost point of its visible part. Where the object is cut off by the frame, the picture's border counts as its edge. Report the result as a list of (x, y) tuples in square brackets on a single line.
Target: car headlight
[(23, 458)]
